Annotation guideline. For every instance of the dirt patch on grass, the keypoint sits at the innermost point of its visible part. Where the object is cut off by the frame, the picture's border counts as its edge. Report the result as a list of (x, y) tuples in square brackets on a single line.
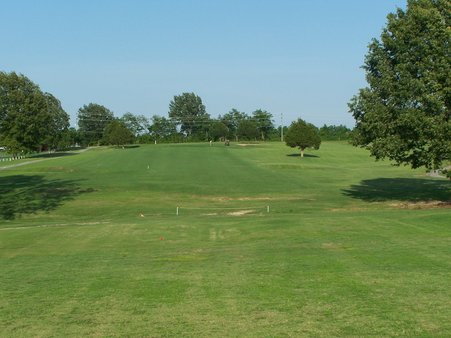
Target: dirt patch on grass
[(422, 205), (332, 246), (240, 212), (247, 144)]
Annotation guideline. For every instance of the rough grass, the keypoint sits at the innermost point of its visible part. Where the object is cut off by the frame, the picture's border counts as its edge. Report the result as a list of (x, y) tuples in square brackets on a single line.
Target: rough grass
[(90, 244)]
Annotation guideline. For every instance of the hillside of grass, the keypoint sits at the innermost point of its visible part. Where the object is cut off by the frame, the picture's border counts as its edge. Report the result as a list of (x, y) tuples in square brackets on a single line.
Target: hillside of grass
[(90, 244)]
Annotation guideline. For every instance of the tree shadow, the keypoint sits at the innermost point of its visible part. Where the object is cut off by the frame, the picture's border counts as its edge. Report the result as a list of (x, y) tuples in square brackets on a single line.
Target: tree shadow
[(20, 194), (400, 189), (53, 155), (305, 155), (132, 146)]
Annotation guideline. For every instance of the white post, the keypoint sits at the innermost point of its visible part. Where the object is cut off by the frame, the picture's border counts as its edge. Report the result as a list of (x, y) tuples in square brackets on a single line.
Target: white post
[(177, 212), (267, 208)]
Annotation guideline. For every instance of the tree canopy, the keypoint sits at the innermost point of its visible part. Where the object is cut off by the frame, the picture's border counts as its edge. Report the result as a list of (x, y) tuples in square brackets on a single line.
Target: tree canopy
[(247, 129), (92, 120), (137, 124), (29, 118), (404, 113), (302, 135), (189, 112), (162, 128), (232, 120), (58, 132), (117, 133), (264, 123), (218, 130), (334, 133)]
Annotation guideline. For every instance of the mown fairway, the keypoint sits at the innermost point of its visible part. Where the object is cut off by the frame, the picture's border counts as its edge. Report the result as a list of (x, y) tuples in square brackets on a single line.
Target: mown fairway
[(90, 244)]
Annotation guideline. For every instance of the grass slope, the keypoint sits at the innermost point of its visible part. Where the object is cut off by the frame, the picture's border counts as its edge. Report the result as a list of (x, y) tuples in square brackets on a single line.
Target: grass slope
[(90, 244)]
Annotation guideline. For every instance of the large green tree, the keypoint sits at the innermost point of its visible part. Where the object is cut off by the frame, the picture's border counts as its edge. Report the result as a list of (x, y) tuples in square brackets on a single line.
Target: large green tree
[(137, 124), (247, 129), (117, 133), (218, 130), (163, 129), (232, 119), (302, 135), (29, 118), (92, 120), (58, 129), (189, 112), (404, 113), (263, 119)]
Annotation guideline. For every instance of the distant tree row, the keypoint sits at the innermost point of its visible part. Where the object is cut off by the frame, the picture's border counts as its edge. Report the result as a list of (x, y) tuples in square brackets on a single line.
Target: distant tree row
[(335, 133), (189, 115), (187, 121), (31, 120)]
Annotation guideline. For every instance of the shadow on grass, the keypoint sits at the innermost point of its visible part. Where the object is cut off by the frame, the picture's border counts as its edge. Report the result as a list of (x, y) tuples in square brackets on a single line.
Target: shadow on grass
[(53, 155), (400, 189), (132, 146), (20, 194), (305, 155)]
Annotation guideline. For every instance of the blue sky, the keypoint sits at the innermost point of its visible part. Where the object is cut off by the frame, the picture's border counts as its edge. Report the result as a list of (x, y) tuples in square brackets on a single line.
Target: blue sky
[(300, 58)]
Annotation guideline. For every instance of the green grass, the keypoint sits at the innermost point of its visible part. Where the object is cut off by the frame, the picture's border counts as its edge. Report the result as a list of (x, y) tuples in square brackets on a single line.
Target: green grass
[(90, 244)]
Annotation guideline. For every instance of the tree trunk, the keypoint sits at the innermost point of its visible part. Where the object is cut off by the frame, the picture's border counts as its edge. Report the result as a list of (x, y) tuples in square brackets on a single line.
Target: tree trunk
[(302, 152)]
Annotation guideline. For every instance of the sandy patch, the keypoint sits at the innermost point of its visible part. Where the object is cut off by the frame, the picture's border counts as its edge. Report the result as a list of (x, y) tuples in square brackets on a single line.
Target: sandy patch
[(422, 205), (240, 212), (332, 246)]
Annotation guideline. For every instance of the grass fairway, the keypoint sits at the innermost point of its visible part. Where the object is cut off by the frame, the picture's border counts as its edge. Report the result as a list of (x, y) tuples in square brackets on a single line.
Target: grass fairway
[(90, 244)]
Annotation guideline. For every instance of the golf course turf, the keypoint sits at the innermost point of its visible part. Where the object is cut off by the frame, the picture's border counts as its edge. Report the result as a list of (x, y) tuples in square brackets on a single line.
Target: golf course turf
[(265, 244)]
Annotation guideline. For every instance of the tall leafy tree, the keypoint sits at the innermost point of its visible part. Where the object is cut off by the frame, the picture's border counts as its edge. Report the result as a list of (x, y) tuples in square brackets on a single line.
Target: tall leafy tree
[(404, 113), (218, 130), (247, 129), (137, 124), (302, 135), (59, 123), (162, 128), (232, 119), (92, 120), (117, 133), (28, 117), (189, 112), (263, 119)]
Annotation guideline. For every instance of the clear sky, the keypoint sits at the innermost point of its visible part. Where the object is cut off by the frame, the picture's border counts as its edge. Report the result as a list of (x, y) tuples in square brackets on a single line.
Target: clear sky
[(301, 58)]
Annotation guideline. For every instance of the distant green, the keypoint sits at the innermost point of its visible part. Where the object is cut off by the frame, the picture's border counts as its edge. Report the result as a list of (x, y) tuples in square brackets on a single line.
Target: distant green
[(90, 244)]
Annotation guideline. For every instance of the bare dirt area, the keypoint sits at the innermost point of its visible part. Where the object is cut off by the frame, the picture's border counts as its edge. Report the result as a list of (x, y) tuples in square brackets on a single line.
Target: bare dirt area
[(240, 212), (422, 205)]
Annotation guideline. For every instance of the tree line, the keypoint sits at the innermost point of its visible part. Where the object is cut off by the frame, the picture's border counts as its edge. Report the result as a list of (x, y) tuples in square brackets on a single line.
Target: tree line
[(33, 120), (187, 120)]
